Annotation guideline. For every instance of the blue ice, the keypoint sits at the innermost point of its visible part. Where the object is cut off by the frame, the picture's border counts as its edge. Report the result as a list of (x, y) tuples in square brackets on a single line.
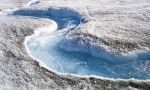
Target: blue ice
[(46, 47)]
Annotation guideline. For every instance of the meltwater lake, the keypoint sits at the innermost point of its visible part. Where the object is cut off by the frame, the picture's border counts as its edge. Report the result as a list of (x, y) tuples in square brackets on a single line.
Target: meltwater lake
[(45, 46)]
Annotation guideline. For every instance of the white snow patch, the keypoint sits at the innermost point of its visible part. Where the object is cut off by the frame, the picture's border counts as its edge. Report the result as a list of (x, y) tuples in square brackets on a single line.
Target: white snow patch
[(8, 11), (32, 2)]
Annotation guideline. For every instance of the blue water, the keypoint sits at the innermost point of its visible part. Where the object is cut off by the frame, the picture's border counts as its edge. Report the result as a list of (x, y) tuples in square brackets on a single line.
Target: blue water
[(46, 47)]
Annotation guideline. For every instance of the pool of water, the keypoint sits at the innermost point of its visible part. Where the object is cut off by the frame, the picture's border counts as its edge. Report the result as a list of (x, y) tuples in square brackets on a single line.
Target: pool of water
[(46, 47)]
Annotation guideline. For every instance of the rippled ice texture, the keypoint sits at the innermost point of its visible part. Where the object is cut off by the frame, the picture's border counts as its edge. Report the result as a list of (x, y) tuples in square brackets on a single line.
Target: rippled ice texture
[(46, 47)]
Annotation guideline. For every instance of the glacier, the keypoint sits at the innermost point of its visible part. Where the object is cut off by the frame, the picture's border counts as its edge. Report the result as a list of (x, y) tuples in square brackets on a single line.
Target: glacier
[(76, 39), (48, 45)]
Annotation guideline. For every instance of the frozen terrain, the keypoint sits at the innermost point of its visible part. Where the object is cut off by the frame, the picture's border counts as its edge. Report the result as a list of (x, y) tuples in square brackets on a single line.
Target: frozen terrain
[(9, 4), (73, 37)]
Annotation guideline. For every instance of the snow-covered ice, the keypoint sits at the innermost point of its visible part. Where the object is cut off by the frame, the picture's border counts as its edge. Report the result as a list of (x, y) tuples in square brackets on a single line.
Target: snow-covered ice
[(106, 38), (59, 52)]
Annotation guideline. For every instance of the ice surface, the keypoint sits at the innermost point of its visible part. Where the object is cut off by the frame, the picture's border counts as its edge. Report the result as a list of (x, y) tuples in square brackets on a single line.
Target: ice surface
[(122, 25), (32, 2), (62, 16), (9, 4), (46, 46)]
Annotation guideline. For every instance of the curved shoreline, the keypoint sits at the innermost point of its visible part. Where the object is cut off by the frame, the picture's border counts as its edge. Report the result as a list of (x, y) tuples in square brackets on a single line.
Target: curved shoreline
[(51, 68), (20, 71), (42, 64)]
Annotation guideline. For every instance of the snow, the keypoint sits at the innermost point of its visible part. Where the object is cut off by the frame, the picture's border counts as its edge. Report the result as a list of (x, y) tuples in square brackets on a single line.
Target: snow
[(108, 27), (89, 55), (7, 4), (32, 2), (7, 11)]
